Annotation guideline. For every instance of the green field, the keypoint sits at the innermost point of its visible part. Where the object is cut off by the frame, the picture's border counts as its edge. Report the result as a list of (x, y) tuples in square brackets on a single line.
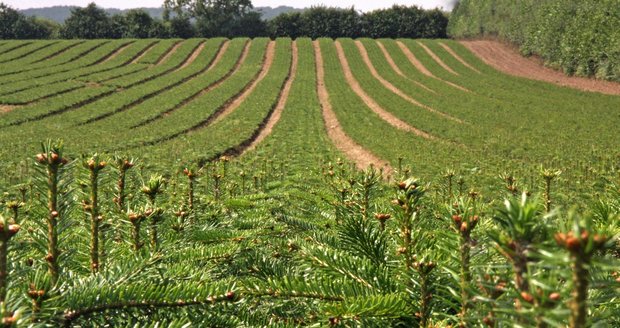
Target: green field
[(283, 232)]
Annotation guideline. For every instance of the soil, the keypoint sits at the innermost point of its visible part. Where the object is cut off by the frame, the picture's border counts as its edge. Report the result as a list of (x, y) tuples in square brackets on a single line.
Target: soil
[(277, 113), (7, 108), (508, 60), (436, 58), (193, 57), (137, 59), (269, 55), (354, 152), (418, 65), (115, 53), (371, 103), (396, 69), (394, 89), (457, 57), (169, 53)]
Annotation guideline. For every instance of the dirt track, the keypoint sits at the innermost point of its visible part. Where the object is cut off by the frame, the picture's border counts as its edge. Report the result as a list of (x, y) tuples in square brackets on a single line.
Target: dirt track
[(7, 108), (193, 56), (169, 53), (354, 152), (370, 102), (269, 55), (277, 113), (507, 59), (437, 59), (396, 69), (457, 57), (418, 65), (394, 89)]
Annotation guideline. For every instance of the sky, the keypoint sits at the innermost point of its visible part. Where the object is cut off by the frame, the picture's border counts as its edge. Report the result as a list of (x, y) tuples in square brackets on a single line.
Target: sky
[(364, 5)]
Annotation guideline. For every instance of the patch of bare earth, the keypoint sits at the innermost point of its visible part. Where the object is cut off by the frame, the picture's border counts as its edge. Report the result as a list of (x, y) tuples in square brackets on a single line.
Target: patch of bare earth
[(394, 89), (269, 55), (396, 69), (169, 54), (418, 65), (436, 58), (137, 59), (370, 102), (457, 57), (508, 60), (354, 152), (193, 57), (115, 53), (277, 112), (7, 108)]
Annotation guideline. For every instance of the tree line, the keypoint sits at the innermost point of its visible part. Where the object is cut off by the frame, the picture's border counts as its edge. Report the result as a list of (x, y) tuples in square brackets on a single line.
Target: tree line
[(227, 18)]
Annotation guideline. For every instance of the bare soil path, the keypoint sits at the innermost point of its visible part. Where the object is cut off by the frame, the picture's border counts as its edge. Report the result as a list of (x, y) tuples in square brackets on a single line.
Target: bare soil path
[(113, 54), (418, 65), (436, 58), (354, 152), (192, 57), (169, 54), (396, 69), (370, 102), (394, 89), (457, 57), (269, 55), (277, 112), (507, 59), (7, 108), (137, 59)]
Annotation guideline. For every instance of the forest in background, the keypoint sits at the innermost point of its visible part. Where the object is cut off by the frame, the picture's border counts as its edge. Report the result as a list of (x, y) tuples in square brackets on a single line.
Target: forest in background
[(226, 18)]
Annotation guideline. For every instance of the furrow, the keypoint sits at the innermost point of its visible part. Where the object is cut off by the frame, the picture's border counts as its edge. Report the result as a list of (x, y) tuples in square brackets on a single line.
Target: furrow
[(457, 57), (396, 69), (204, 91), (393, 88), (231, 104), (146, 50), (273, 118), (370, 102), (152, 94), (169, 54), (436, 58), (353, 151), (418, 65)]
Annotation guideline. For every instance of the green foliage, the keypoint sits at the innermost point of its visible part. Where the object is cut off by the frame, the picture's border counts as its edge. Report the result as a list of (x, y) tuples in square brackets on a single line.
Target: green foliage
[(579, 37)]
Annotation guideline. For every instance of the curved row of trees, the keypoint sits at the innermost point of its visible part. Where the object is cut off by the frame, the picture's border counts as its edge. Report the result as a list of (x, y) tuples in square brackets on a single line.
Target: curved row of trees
[(230, 18)]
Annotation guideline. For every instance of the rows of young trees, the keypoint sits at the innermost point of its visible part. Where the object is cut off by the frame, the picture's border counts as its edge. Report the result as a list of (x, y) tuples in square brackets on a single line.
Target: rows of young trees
[(228, 18)]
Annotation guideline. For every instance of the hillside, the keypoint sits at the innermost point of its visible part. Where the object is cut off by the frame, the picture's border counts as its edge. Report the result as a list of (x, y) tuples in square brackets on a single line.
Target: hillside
[(578, 37), (301, 183)]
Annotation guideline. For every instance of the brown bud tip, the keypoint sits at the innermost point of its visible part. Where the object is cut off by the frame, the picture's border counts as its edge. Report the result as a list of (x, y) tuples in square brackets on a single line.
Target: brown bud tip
[(584, 236), (402, 185), (102, 164), (560, 238), (464, 227), (527, 297), (54, 214), (555, 297), (54, 157), (573, 244), (13, 229), (49, 258), (41, 158), (230, 295)]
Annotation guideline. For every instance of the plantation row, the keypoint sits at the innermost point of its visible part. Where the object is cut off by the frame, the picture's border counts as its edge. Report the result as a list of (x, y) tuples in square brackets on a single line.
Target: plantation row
[(435, 102), (283, 230)]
